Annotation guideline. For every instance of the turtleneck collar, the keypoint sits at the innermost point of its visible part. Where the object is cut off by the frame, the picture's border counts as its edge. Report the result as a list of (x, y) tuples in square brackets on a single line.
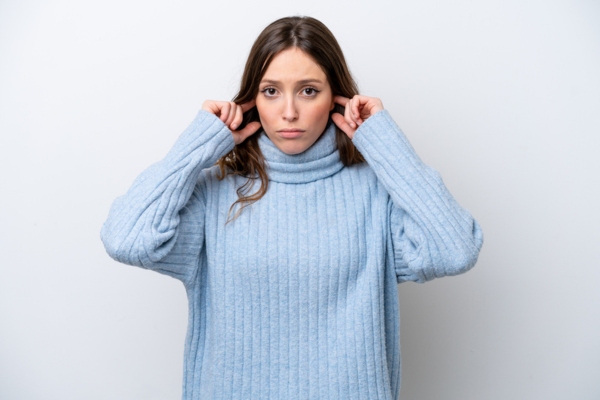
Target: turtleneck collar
[(319, 161)]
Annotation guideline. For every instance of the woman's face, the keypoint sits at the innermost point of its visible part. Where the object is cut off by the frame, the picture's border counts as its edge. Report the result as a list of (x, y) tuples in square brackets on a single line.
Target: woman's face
[(294, 101)]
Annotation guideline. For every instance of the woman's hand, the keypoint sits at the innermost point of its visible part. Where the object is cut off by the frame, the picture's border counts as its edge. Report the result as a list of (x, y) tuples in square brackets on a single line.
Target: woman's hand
[(232, 114), (358, 109)]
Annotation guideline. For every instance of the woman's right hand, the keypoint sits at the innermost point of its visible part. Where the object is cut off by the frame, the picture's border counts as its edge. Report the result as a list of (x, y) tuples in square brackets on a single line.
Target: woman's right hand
[(232, 114)]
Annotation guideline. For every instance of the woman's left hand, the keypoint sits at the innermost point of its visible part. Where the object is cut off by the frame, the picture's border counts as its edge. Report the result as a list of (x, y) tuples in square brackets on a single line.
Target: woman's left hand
[(358, 109)]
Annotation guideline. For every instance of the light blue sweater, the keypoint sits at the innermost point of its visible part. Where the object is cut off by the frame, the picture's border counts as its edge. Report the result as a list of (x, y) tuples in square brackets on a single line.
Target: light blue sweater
[(297, 297)]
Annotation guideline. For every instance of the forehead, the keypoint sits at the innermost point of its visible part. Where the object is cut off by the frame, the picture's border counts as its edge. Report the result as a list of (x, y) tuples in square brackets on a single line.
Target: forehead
[(293, 64)]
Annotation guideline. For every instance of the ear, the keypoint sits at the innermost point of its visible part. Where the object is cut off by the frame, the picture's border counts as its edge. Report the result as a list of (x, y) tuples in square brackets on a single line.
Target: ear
[(332, 106)]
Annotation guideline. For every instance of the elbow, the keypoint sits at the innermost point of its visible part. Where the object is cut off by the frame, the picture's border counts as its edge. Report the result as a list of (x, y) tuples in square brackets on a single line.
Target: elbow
[(135, 248), (431, 262), (462, 262), (116, 248), (111, 244), (465, 256)]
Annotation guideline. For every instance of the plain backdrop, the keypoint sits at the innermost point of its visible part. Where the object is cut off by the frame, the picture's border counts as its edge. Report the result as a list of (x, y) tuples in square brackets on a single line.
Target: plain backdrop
[(501, 97)]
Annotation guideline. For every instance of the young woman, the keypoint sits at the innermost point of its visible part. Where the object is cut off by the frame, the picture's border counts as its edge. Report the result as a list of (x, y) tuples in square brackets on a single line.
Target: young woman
[(290, 215)]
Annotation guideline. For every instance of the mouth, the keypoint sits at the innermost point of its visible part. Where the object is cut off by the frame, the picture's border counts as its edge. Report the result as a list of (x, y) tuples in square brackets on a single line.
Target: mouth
[(290, 133)]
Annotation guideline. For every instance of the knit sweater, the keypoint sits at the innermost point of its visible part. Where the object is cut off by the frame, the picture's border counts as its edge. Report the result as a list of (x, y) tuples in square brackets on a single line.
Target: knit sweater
[(297, 297)]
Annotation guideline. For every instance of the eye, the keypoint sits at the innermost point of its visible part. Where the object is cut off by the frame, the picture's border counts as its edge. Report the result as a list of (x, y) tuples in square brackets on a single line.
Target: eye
[(269, 91), (310, 92)]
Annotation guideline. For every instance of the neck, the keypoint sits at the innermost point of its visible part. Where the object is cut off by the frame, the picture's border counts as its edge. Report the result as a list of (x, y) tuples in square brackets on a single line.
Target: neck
[(319, 161)]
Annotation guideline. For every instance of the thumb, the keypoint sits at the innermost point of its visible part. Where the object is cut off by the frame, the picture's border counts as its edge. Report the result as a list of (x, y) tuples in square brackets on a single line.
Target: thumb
[(341, 123), (246, 132)]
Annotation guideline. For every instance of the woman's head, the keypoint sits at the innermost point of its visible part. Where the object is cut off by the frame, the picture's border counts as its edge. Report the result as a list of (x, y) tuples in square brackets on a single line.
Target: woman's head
[(307, 34), (294, 101), (280, 39)]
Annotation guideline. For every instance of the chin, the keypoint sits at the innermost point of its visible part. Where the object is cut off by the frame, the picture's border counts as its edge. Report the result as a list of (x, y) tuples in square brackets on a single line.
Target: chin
[(292, 148)]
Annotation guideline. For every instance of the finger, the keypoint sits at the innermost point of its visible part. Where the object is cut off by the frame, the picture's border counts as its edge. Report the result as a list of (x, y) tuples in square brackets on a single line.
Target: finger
[(223, 111), (375, 106), (342, 123), (237, 120), (341, 100), (248, 105), (246, 132), (232, 110), (212, 106), (357, 102), (350, 120)]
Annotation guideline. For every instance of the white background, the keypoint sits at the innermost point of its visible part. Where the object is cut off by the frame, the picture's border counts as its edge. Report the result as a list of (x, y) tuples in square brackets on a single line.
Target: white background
[(502, 97)]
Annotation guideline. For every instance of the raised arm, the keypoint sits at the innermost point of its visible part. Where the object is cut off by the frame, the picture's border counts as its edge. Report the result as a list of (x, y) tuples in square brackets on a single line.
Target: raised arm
[(432, 235), (159, 223)]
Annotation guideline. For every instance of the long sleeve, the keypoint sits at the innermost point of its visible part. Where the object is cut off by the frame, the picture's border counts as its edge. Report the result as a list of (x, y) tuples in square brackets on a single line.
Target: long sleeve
[(432, 235), (159, 223)]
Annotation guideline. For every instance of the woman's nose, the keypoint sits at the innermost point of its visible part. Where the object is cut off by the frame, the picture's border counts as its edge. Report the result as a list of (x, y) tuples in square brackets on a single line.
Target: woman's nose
[(290, 113)]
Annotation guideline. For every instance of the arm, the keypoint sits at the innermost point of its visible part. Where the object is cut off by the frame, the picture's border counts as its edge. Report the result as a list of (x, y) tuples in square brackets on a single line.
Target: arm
[(432, 235), (159, 223)]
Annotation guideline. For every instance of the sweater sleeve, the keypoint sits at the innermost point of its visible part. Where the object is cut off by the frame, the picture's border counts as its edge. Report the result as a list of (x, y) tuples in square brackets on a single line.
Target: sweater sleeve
[(432, 235), (159, 223)]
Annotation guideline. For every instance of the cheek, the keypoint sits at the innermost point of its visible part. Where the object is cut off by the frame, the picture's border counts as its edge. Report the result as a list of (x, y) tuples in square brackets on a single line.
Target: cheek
[(320, 111), (264, 112)]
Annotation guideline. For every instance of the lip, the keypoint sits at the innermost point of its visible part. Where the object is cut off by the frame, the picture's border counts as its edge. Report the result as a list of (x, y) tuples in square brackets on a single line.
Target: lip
[(290, 133)]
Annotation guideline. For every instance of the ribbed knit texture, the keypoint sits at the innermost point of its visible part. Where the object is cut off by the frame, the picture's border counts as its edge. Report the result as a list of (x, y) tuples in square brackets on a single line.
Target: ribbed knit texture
[(297, 297)]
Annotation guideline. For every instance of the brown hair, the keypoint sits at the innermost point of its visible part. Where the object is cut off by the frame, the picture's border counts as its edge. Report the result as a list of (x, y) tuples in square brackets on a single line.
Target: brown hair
[(316, 40)]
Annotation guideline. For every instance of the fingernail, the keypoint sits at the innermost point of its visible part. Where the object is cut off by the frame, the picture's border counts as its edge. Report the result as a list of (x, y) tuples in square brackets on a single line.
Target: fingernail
[(233, 126)]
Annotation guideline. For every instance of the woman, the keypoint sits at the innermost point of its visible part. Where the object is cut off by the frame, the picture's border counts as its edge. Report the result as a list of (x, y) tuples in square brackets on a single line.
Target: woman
[(292, 245)]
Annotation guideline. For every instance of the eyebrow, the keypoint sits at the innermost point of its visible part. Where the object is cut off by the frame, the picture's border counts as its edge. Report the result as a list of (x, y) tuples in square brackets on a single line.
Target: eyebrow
[(302, 82)]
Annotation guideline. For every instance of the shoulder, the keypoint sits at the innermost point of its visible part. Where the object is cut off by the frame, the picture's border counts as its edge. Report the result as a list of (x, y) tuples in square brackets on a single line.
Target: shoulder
[(362, 170)]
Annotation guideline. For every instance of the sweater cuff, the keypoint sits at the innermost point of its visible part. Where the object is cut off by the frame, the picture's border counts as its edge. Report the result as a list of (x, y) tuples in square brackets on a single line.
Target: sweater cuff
[(206, 134)]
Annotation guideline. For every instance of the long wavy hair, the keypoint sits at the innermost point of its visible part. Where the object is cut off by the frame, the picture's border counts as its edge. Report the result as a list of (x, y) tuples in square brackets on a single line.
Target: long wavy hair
[(316, 40)]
